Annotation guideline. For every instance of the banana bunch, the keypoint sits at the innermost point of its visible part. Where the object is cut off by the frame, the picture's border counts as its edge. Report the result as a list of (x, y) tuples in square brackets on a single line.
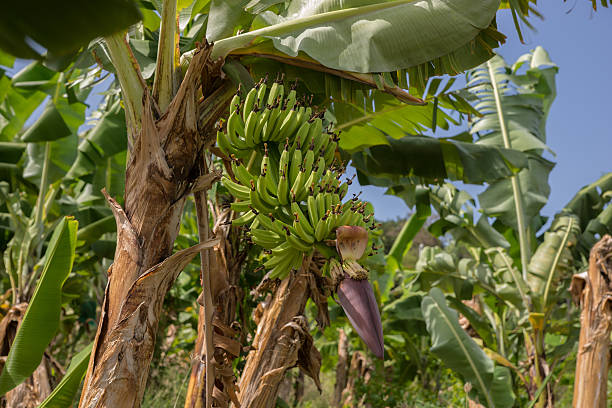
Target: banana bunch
[(286, 179)]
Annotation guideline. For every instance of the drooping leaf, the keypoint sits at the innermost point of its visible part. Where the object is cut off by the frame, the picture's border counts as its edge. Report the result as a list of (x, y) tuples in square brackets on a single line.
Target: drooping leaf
[(553, 257), (58, 120), (370, 119), (60, 28), (223, 18), (501, 388), (437, 159), (63, 394), (497, 200), (107, 138), (455, 348), (96, 229), (62, 155), (11, 152), (588, 204), (378, 36), (41, 319)]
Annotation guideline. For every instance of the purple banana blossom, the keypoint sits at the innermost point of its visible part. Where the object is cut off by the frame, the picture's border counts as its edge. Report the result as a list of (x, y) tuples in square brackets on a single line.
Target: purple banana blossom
[(355, 293), (357, 299)]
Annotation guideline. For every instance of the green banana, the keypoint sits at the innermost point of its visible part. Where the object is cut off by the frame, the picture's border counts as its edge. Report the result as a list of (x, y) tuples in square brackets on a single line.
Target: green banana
[(294, 167), (313, 214), (297, 243), (249, 102), (236, 189), (298, 226), (235, 103), (290, 123), (295, 207), (244, 219), (261, 92), (240, 206), (330, 151), (241, 172), (300, 137), (261, 121), (257, 201), (262, 191), (224, 144), (299, 184), (249, 127), (276, 90), (265, 238)]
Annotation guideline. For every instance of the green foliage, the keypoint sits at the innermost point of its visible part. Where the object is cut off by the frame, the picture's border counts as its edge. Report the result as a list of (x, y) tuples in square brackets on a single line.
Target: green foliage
[(63, 394), (398, 35), (41, 319), (61, 29)]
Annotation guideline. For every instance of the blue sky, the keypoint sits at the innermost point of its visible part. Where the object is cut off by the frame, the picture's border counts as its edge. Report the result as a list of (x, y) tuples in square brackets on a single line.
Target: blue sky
[(579, 128)]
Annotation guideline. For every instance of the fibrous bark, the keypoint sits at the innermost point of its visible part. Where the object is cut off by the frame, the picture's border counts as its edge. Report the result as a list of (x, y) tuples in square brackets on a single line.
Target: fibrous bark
[(159, 177), (225, 264), (281, 342), (593, 292), (341, 367)]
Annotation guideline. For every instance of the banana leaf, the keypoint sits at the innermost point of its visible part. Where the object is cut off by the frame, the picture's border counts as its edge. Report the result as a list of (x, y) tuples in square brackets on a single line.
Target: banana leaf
[(436, 159), (41, 319), (524, 102), (371, 36), (455, 348), (63, 394), (552, 258), (106, 139), (60, 28)]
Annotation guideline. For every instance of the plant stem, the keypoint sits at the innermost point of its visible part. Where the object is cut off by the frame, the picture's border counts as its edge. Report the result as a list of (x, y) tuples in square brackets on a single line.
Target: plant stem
[(201, 203), (553, 267), (130, 79), (163, 85), (516, 188)]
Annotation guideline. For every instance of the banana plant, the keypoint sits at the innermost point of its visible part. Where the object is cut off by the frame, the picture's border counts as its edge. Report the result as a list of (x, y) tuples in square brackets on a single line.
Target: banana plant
[(517, 275), (173, 92)]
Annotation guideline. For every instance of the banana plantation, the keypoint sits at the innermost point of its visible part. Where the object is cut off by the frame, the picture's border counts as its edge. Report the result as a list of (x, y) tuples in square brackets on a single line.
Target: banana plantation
[(182, 224)]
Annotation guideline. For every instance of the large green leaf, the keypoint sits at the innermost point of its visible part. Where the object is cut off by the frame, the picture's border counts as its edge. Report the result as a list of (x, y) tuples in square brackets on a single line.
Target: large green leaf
[(62, 155), (413, 225), (63, 395), (591, 199), (378, 36), (58, 120), (106, 139), (524, 102), (498, 200), (438, 159), (41, 319), (60, 27), (553, 257), (224, 17), (455, 348), (368, 120)]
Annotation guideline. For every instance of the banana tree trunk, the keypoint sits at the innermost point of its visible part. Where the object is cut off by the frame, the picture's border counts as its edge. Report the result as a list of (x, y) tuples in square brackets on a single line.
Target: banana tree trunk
[(225, 264), (159, 177), (593, 293), (282, 341), (341, 367)]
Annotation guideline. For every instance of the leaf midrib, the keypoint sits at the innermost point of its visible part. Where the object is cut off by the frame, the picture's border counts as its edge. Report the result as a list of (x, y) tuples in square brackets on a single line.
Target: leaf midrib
[(472, 364)]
